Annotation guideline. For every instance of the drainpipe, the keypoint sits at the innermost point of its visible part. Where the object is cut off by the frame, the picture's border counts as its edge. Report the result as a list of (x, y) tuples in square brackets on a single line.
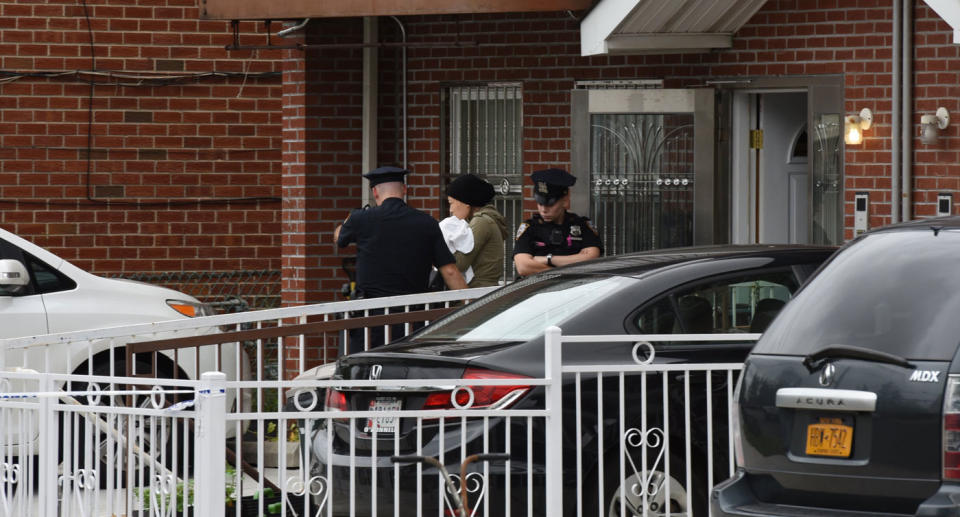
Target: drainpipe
[(403, 73), (906, 127), (896, 100), (369, 111)]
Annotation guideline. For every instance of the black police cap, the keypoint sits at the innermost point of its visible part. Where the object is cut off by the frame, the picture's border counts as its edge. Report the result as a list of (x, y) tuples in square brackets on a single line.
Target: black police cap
[(549, 185), (471, 189), (385, 175)]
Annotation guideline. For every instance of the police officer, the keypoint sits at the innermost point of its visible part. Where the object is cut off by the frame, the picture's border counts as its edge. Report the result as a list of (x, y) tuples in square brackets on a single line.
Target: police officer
[(397, 245), (554, 237)]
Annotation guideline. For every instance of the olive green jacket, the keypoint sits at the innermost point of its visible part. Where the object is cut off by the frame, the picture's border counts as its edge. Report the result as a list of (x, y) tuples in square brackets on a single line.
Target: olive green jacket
[(489, 231)]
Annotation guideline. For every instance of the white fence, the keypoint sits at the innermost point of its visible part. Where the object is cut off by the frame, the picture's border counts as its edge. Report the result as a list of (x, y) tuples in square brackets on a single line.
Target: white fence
[(640, 438)]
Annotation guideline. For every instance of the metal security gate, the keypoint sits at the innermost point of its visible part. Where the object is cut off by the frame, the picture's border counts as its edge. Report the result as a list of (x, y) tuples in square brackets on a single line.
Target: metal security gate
[(642, 180), (649, 153), (484, 136)]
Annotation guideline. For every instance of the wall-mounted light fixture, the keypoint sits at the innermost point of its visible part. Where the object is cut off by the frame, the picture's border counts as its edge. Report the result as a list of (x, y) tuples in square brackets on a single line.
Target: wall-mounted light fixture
[(930, 126), (855, 125)]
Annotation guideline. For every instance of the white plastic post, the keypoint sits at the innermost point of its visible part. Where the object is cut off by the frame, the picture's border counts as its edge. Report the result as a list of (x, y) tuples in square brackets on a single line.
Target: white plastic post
[(554, 402), (49, 441), (210, 457)]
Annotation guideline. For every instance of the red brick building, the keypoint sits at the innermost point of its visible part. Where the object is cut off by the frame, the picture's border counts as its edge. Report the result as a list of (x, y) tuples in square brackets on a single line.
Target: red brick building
[(133, 142), (661, 122)]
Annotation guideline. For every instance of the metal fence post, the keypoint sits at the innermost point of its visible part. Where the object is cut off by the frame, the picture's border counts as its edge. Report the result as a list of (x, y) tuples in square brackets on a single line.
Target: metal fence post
[(554, 401), (210, 445), (49, 441)]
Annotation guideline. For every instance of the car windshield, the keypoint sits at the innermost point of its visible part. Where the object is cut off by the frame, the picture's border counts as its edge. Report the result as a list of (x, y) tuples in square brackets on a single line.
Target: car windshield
[(522, 311), (896, 292)]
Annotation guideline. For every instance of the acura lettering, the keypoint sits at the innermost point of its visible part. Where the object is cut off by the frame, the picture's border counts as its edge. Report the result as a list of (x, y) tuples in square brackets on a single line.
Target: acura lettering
[(820, 402)]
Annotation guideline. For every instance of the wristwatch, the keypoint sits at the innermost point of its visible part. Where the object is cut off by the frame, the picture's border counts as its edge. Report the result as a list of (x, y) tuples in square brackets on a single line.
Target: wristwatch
[(550, 259)]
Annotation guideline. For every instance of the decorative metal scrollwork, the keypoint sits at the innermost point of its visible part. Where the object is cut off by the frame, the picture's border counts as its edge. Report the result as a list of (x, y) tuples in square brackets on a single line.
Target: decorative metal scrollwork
[(648, 355), (9, 473), (462, 389), (317, 486), (504, 187), (314, 400), (163, 490), (9, 476), (476, 485), (653, 438), (82, 482)]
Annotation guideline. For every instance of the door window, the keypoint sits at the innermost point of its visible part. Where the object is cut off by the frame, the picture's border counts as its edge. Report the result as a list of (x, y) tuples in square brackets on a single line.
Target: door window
[(745, 303)]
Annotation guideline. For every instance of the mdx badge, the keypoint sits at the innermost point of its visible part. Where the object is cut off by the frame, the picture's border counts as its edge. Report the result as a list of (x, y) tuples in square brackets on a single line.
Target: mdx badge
[(925, 376)]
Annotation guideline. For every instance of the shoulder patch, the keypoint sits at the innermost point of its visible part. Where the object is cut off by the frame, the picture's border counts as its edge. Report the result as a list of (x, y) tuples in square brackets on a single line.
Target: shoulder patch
[(523, 227)]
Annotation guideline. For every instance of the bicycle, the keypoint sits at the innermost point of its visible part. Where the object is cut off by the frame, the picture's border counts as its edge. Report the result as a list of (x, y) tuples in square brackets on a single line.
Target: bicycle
[(459, 499)]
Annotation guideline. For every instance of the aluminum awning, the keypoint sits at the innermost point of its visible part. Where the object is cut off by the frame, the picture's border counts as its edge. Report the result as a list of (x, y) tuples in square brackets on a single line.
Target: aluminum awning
[(291, 9), (949, 10), (659, 26)]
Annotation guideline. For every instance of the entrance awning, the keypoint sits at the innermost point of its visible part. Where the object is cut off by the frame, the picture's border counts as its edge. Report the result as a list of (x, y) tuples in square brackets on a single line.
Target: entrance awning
[(291, 9), (949, 10), (658, 26)]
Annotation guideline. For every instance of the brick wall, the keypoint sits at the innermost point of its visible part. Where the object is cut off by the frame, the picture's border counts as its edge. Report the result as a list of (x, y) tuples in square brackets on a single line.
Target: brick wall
[(159, 146), (787, 37), (179, 126)]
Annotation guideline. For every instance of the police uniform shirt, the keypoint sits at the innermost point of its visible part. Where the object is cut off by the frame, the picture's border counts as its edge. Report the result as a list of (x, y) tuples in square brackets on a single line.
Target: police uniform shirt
[(397, 246), (538, 237)]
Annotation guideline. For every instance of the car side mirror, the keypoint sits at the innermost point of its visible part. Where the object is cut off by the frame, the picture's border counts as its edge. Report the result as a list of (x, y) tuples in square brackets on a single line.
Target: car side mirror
[(13, 277)]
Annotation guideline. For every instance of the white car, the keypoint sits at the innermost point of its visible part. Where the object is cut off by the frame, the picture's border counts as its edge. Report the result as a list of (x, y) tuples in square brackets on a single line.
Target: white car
[(41, 293)]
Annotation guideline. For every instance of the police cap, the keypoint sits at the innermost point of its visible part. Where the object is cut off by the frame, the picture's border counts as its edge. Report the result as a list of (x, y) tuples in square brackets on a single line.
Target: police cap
[(385, 175), (549, 185), (471, 189)]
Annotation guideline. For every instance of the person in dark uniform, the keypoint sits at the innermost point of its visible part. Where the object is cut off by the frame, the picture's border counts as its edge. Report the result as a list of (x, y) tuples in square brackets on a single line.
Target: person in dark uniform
[(397, 246), (554, 237)]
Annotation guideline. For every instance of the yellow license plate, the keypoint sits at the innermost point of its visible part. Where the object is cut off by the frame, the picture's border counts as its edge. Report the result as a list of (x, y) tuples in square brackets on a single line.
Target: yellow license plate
[(829, 439)]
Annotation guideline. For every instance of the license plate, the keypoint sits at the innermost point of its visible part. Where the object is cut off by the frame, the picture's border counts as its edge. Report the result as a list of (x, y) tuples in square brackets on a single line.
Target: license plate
[(383, 424), (829, 437)]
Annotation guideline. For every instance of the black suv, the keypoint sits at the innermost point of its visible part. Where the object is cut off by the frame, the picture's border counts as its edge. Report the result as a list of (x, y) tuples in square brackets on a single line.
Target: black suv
[(850, 402)]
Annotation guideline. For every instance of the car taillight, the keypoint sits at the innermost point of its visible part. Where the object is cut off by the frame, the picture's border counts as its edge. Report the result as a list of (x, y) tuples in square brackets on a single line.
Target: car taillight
[(491, 397), (951, 429), (336, 401)]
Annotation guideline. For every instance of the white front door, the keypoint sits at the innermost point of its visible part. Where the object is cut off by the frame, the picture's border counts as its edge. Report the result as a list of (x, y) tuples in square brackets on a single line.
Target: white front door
[(770, 179)]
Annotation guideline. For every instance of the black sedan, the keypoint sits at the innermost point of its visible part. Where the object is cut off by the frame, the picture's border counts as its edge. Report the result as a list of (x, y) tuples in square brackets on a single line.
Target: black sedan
[(718, 289)]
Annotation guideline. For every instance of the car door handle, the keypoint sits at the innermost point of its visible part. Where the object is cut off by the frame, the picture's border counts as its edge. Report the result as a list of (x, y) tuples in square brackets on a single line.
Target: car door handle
[(826, 399)]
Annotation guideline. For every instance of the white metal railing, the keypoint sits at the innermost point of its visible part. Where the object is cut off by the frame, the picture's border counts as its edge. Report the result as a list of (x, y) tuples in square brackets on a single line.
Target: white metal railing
[(639, 427), (85, 453), (64, 352), (666, 454)]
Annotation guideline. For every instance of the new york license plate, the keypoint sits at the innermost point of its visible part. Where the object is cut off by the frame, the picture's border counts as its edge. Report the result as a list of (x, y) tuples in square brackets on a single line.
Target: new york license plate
[(383, 424), (829, 437)]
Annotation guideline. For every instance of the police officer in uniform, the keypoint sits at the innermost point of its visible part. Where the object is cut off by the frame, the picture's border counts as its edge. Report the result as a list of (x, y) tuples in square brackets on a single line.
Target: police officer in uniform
[(554, 237), (397, 246)]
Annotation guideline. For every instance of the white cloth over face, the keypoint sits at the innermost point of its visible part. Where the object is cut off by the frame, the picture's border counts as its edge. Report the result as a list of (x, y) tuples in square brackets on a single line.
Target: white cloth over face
[(459, 237)]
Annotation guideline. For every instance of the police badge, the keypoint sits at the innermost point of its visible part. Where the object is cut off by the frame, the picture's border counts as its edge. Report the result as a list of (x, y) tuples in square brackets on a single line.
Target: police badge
[(574, 230), (542, 187)]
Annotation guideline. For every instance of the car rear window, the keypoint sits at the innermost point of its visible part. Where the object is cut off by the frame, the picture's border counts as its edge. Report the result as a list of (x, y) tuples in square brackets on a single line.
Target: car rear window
[(522, 311), (897, 292)]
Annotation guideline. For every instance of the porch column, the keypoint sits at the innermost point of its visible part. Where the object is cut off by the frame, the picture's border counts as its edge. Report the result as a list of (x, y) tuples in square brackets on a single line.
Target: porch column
[(322, 142)]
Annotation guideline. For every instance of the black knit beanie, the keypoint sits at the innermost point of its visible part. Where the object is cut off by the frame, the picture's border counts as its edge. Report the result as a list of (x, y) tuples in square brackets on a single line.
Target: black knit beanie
[(470, 189)]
